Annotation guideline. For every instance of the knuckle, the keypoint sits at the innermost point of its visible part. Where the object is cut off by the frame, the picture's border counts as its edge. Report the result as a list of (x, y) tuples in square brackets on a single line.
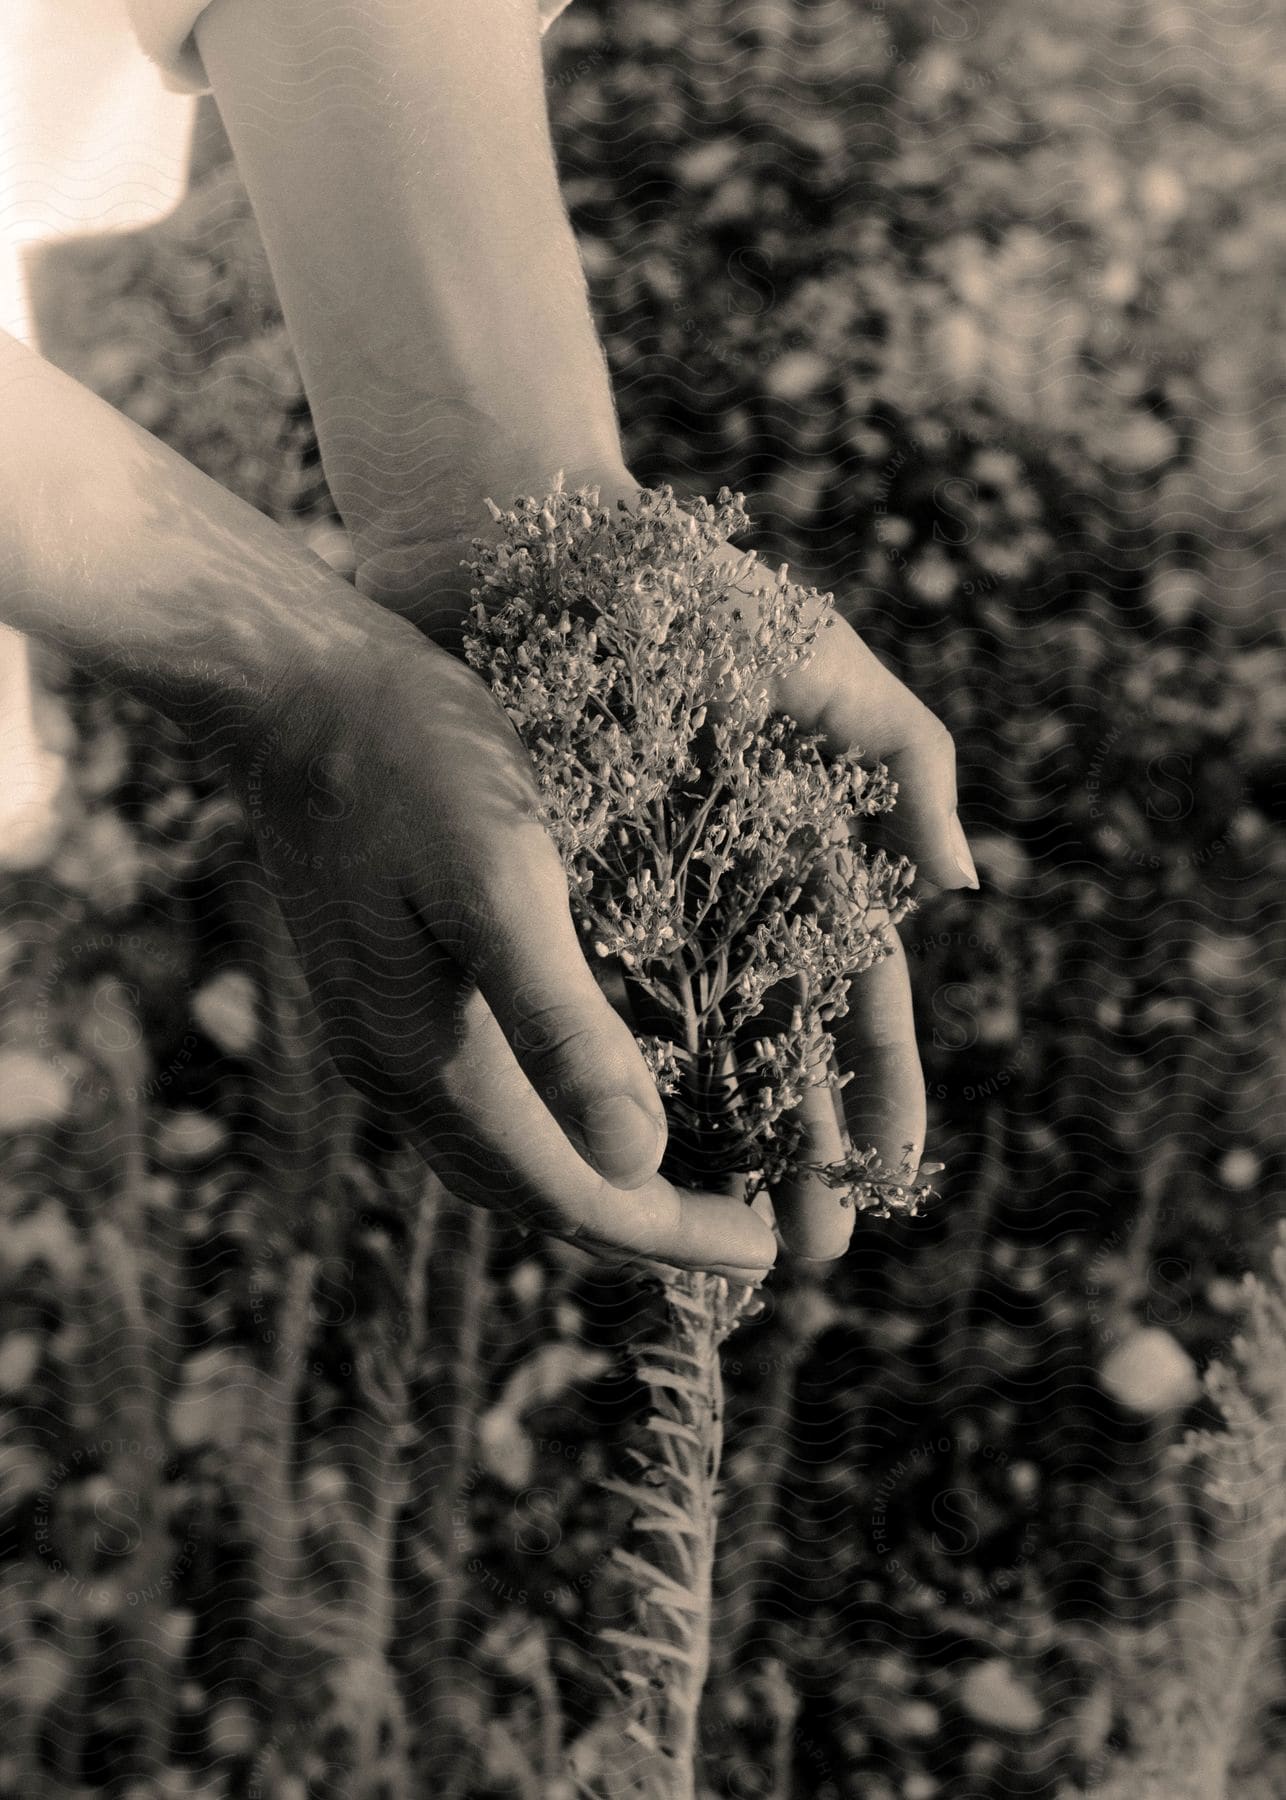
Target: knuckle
[(936, 741), (526, 869), (564, 1048), (512, 887), (575, 1230)]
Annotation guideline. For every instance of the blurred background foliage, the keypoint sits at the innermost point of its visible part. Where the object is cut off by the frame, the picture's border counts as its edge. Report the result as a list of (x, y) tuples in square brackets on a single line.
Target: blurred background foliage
[(982, 308)]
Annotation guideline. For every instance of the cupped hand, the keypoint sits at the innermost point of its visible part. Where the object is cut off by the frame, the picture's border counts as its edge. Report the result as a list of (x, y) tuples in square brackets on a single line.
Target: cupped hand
[(395, 811), (848, 696)]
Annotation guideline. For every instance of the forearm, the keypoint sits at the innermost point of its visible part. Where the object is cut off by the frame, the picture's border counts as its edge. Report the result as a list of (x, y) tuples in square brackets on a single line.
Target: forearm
[(126, 557), (397, 153)]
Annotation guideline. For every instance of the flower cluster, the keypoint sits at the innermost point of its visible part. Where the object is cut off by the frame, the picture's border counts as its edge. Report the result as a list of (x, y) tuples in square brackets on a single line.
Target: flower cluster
[(711, 845)]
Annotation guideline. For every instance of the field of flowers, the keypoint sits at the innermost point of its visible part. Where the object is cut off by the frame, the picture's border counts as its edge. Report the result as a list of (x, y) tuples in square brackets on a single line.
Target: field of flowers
[(982, 308)]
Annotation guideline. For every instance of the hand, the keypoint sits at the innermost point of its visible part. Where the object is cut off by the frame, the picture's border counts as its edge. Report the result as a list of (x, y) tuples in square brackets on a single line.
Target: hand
[(396, 813), (394, 808), (847, 695)]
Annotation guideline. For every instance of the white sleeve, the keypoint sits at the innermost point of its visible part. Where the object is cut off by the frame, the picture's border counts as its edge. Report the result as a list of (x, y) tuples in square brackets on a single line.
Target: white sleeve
[(164, 29)]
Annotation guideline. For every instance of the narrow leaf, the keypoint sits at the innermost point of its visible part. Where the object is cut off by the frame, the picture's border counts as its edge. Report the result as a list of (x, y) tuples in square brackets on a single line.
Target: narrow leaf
[(670, 1378), (647, 1646), (657, 1579), (650, 1498)]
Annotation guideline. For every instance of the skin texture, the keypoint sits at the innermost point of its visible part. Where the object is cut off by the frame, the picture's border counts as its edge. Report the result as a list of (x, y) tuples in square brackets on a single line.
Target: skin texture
[(394, 809), (398, 157), (848, 695)]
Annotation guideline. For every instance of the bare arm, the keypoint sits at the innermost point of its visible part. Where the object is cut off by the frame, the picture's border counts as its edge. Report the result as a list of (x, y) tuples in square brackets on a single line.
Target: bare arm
[(428, 903), (398, 156), (136, 564)]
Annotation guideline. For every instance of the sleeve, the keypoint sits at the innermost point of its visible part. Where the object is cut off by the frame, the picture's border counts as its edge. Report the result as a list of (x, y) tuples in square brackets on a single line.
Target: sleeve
[(165, 27)]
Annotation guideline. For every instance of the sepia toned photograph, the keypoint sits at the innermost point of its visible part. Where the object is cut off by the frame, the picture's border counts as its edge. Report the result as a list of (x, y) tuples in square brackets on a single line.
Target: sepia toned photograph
[(642, 906)]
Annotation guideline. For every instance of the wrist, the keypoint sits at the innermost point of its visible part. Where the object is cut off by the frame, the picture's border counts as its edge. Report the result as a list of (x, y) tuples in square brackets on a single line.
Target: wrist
[(412, 565), (317, 684)]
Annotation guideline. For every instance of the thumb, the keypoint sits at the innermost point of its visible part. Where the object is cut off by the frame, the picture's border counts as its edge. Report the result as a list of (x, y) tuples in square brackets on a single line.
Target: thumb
[(578, 1053)]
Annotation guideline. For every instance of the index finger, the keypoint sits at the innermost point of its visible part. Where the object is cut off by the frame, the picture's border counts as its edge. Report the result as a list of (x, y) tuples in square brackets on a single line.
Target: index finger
[(443, 1067), (494, 1141)]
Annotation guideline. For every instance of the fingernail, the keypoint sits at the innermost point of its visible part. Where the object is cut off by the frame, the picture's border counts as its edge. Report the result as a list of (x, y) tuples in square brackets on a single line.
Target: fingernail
[(619, 1136), (961, 853)]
